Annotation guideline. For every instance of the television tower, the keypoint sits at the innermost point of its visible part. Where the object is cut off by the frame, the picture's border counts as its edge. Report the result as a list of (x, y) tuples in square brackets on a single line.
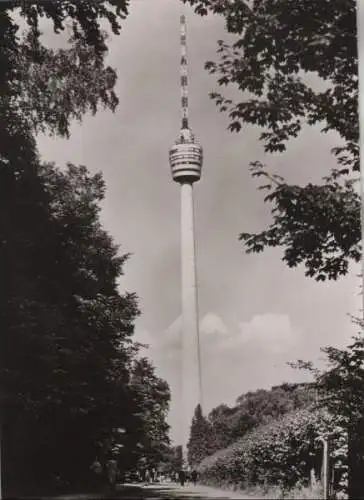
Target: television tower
[(185, 159)]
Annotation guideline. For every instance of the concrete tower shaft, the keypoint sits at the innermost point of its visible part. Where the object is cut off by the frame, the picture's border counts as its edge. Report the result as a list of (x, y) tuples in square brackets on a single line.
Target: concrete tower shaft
[(191, 362)]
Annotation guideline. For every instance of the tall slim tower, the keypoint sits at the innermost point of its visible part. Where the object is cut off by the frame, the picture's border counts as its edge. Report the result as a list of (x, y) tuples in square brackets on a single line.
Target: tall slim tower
[(185, 159)]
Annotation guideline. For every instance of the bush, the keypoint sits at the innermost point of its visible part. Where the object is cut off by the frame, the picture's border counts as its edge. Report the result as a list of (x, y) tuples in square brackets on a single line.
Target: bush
[(281, 453)]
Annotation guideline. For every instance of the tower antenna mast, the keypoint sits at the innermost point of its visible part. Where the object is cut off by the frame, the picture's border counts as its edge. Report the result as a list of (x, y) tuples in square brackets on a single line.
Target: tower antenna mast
[(184, 73)]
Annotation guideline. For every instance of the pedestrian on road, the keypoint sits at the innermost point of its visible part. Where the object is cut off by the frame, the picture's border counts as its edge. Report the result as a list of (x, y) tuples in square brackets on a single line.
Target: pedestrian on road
[(194, 477), (112, 471), (182, 477)]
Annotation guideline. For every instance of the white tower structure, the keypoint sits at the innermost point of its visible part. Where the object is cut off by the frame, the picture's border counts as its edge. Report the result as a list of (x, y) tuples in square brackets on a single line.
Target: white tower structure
[(185, 159)]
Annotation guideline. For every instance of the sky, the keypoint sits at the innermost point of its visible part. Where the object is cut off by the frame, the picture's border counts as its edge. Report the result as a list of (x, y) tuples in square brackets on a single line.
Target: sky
[(255, 313)]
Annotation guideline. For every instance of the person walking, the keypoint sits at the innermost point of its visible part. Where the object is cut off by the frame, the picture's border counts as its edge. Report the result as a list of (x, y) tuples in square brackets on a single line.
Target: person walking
[(194, 477), (112, 470), (182, 477), (97, 479)]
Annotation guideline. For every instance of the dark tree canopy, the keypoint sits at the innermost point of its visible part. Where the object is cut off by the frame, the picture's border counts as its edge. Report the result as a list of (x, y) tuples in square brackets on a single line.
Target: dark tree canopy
[(229, 424), (67, 352), (152, 396), (279, 54), (199, 444), (66, 342)]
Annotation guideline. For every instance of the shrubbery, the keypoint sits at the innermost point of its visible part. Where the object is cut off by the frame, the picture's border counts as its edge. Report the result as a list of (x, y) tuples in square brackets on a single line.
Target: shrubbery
[(280, 453), (228, 424)]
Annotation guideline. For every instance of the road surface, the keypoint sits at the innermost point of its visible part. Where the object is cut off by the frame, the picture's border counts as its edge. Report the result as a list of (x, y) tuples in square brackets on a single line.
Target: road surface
[(173, 491), (162, 491)]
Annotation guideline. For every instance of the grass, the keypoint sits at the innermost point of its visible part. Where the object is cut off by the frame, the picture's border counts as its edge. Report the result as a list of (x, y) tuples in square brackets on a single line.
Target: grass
[(277, 493)]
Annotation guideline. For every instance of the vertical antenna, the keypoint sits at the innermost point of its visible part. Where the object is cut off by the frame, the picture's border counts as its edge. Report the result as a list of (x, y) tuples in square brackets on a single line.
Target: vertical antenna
[(184, 76)]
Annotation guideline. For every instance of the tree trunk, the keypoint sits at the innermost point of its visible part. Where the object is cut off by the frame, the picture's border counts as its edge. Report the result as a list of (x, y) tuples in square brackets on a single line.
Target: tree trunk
[(356, 462)]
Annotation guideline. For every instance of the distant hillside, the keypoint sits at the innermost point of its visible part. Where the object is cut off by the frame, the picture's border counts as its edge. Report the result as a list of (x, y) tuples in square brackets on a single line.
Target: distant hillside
[(228, 424)]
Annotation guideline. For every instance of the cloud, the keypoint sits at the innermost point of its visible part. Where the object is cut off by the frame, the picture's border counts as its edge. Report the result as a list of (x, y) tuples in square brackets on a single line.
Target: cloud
[(268, 332), (212, 324), (251, 355)]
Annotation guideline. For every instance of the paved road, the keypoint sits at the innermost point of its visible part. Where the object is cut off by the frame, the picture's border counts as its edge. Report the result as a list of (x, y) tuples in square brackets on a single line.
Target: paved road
[(162, 491), (172, 491)]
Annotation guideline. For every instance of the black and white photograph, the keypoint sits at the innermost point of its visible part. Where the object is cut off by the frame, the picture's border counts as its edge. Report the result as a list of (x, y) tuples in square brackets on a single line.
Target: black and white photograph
[(181, 235)]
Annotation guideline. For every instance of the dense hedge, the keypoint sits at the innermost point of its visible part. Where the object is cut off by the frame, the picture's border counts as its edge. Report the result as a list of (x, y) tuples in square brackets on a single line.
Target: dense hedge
[(280, 453)]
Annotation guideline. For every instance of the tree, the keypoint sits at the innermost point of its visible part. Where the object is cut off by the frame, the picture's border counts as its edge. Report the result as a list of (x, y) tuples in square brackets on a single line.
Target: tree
[(278, 55), (151, 397), (48, 88), (85, 17), (221, 430), (228, 424), (199, 445), (340, 387), (177, 458), (66, 331), (54, 87)]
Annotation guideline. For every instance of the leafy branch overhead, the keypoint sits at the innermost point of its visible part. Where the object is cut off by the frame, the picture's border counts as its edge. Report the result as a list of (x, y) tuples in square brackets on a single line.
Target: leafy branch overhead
[(58, 86), (296, 65), (317, 225), (276, 47), (49, 88), (85, 17)]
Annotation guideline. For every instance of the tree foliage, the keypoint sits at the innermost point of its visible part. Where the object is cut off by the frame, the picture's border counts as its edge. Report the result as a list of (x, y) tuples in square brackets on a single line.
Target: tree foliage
[(152, 396), (66, 330), (54, 87), (66, 344), (280, 453), (272, 437), (296, 66), (341, 389), (73, 389), (317, 225), (85, 18), (177, 458), (199, 444), (46, 88), (228, 424)]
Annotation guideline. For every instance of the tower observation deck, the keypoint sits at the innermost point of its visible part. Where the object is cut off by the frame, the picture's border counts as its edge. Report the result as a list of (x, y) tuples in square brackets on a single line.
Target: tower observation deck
[(186, 156)]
